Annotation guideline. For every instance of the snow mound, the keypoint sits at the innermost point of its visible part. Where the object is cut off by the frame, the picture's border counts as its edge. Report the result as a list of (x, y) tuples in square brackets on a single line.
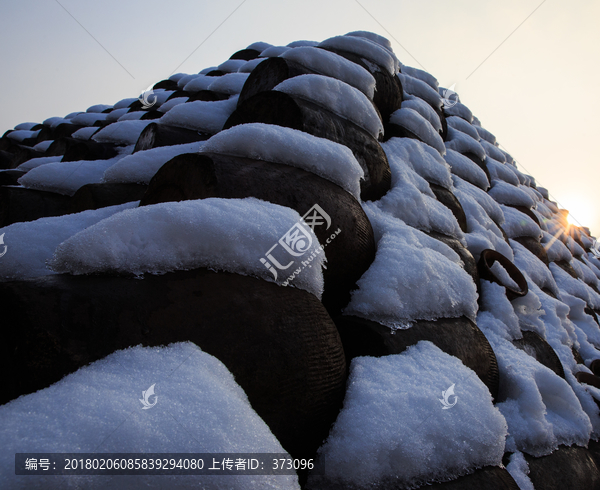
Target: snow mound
[(419, 126), (140, 167), (463, 143), (332, 65), (66, 177), (199, 82), (413, 277), (423, 108), (272, 143), (466, 169), (121, 133), (32, 243), (337, 96), (225, 234), (231, 83), (420, 89), (394, 425), (200, 115), (364, 48), (422, 158), (412, 200), (199, 408)]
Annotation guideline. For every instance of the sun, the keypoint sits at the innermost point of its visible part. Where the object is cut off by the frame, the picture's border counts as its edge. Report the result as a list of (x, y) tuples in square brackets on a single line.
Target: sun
[(581, 212)]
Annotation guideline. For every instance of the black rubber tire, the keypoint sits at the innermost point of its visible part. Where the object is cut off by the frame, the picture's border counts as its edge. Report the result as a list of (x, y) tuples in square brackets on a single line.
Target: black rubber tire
[(296, 113), (567, 467), (480, 163), (487, 259), (207, 96), (268, 74), (535, 247), (541, 351), (74, 149), (18, 204), (96, 196), (165, 84), (245, 54), (458, 337), (470, 265), (156, 135), (388, 89), (6, 160), (199, 176), (11, 177), (279, 342), (448, 199)]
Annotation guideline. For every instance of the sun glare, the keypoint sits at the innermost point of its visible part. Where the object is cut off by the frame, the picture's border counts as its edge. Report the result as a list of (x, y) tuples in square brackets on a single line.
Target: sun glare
[(581, 212)]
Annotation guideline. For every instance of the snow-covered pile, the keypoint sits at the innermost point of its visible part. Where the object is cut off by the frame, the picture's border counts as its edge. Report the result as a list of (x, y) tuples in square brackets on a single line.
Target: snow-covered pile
[(337, 96), (271, 143), (199, 408), (32, 243), (334, 66), (413, 277), (202, 116), (395, 428), (223, 234), (67, 177), (142, 165)]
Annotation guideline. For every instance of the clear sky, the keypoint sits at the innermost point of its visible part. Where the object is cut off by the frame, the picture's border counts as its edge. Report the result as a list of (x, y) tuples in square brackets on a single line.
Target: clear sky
[(528, 69)]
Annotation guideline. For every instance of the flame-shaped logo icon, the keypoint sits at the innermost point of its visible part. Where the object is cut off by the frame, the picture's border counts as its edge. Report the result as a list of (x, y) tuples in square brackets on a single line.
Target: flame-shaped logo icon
[(145, 98), (146, 400), (450, 97), (2, 243), (447, 394)]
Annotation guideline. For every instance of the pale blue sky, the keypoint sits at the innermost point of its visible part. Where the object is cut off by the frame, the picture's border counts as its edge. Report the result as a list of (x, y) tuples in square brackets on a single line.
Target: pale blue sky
[(537, 92)]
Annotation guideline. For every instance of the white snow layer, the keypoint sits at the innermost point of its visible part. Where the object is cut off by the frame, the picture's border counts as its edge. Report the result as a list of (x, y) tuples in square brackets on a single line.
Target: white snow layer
[(382, 41), (32, 243), (419, 126), (140, 167), (121, 133), (410, 197), (422, 158), (200, 115), (504, 193), (66, 177), (199, 408), (541, 409), (394, 428), (337, 96), (231, 83), (420, 89), (272, 143), (461, 125), (421, 75), (467, 169), (423, 108), (364, 48), (225, 234), (413, 277), (332, 65), (463, 143), (518, 224), (36, 162)]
